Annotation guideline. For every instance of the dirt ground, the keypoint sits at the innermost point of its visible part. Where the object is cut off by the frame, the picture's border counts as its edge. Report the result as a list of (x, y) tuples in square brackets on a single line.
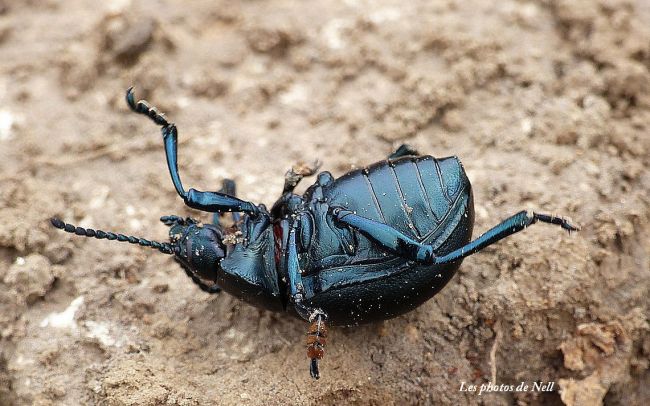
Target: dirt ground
[(547, 103)]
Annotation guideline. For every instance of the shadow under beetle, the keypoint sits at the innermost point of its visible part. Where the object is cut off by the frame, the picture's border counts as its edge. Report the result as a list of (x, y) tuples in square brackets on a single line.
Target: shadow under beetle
[(373, 244)]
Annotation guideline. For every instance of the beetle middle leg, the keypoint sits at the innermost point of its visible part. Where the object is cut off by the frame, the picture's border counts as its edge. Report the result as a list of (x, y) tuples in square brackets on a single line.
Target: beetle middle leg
[(207, 201), (228, 187), (399, 244), (296, 173)]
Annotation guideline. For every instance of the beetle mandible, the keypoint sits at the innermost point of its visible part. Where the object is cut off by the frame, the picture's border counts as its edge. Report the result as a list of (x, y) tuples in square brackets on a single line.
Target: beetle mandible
[(373, 244)]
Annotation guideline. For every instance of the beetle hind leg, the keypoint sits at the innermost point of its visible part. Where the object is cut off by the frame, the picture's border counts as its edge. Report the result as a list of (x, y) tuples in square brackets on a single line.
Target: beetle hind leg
[(507, 227), (399, 244)]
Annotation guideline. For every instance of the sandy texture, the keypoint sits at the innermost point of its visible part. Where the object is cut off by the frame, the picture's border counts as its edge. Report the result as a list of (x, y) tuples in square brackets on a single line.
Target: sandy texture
[(547, 104)]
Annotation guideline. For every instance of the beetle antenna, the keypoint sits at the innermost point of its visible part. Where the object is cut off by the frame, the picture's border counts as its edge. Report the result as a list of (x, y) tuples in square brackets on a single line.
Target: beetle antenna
[(163, 247)]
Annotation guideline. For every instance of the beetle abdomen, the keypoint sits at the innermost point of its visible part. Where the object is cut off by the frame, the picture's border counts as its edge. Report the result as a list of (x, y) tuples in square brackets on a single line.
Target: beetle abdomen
[(415, 195), (356, 293), (411, 194)]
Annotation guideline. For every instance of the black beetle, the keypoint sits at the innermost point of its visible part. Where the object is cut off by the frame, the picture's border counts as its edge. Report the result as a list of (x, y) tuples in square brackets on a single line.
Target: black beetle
[(373, 244)]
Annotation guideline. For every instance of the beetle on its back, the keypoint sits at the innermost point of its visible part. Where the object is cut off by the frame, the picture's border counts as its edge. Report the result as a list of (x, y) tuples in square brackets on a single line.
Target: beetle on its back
[(370, 245)]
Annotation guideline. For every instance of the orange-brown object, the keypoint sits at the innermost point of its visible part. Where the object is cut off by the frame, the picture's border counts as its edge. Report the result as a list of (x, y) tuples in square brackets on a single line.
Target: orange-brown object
[(316, 340)]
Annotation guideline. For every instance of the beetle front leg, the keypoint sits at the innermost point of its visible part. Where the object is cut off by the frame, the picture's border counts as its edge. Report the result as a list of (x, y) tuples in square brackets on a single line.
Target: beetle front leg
[(317, 333), (214, 288), (207, 201)]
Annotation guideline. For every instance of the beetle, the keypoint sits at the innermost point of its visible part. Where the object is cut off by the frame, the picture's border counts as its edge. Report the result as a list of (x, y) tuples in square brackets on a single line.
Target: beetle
[(370, 245)]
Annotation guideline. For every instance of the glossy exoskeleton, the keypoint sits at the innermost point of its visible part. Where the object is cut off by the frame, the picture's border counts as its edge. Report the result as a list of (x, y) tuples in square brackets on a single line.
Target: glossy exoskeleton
[(373, 244)]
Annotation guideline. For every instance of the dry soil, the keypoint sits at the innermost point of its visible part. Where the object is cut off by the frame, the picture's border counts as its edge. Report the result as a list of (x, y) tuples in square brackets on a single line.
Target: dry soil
[(547, 103)]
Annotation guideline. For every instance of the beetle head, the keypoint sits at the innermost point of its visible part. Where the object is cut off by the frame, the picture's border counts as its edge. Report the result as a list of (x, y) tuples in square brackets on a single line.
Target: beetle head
[(199, 249)]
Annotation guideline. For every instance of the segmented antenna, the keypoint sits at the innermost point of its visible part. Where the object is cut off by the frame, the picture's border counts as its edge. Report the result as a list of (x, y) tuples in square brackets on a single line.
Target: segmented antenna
[(163, 247)]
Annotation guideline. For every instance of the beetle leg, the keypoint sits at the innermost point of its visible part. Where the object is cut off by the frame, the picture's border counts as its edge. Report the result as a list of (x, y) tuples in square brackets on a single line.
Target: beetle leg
[(173, 220), (228, 187), (317, 333), (293, 265), (316, 340), (399, 244), (296, 173), (214, 288), (386, 236), (196, 199), (403, 150), (509, 226)]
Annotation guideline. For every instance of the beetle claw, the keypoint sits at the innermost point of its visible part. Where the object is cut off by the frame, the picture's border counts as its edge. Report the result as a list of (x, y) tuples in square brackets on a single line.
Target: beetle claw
[(313, 369)]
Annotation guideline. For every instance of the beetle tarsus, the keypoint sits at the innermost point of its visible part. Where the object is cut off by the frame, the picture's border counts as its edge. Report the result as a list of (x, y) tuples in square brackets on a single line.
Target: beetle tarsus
[(143, 107), (173, 220), (297, 173), (316, 335), (507, 227), (560, 221), (316, 340)]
